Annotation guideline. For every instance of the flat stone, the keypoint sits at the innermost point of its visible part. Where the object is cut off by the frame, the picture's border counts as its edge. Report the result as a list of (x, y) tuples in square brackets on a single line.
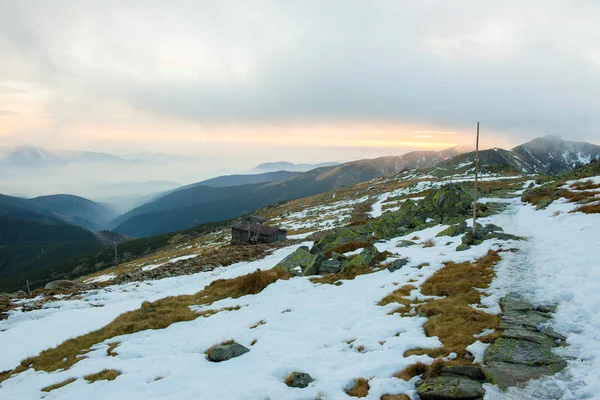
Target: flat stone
[(521, 352), (547, 308), (552, 334), (506, 375), (406, 243), (530, 336), (450, 387), (226, 352), (469, 371), (525, 319), (515, 302)]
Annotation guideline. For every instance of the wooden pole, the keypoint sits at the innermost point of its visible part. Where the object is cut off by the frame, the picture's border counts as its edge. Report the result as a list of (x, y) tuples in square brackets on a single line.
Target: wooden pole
[(476, 177), (28, 289)]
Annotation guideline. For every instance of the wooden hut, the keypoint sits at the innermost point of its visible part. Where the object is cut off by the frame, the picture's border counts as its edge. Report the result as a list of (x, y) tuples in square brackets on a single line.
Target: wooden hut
[(252, 231)]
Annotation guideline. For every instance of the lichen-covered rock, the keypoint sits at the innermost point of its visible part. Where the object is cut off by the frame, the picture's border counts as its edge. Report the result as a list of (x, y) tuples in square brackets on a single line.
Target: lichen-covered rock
[(462, 247), (302, 262), (470, 371), (454, 230), (330, 267), (471, 240), (366, 258), (507, 375), (406, 243), (450, 387), (226, 352), (300, 380), (523, 352), (397, 264)]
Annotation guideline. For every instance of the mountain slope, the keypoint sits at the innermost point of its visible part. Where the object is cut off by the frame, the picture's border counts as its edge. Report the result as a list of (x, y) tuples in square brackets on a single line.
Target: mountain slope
[(189, 207), (77, 210), (546, 155), (245, 179), (288, 166)]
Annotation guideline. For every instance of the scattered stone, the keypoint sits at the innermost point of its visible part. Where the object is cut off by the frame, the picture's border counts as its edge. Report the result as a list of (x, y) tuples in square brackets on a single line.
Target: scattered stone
[(397, 264), (450, 387), (469, 371), (308, 262), (366, 258), (469, 240), (454, 230), (225, 352), (406, 243), (506, 375), (300, 380), (63, 285), (547, 308), (330, 267), (529, 336), (462, 247)]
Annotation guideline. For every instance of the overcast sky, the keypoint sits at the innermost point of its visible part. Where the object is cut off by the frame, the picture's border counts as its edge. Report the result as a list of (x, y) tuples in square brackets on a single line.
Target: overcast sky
[(296, 80)]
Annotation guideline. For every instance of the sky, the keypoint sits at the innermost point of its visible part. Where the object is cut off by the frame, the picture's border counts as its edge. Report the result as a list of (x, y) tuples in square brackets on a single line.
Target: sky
[(303, 81)]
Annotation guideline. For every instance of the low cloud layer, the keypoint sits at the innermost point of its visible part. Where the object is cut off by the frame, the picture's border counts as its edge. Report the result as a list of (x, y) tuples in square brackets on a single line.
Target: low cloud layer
[(101, 73)]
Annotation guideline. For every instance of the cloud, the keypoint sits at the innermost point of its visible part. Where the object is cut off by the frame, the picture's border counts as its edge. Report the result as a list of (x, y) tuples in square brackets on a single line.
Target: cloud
[(522, 69)]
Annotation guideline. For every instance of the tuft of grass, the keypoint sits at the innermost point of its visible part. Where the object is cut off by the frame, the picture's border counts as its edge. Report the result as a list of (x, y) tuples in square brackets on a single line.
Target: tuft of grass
[(360, 349), (208, 313), (587, 185), (225, 343), (156, 315), (415, 238), (588, 209), (254, 342), (451, 318), (395, 397), (428, 243), (426, 371), (331, 279), (58, 385), (104, 375), (259, 323), (289, 380), (359, 389), (111, 349)]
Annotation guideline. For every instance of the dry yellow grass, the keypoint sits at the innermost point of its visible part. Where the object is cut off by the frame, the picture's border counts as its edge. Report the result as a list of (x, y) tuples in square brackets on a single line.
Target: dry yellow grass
[(360, 389), (156, 315), (224, 343), (588, 209), (104, 375), (395, 397), (428, 243), (259, 323), (289, 380), (345, 275), (111, 349), (451, 318), (208, 313), (346, 247), (58, 385)]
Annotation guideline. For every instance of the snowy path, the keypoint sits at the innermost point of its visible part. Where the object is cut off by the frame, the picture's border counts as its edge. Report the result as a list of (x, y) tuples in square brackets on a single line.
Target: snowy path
[(558, 264)]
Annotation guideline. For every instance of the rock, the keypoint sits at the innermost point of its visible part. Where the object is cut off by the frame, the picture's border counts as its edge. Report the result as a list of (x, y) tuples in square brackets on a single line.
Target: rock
[(462, 247), (339, 257), (330, 267), (552, 334), (450, 387), (529, 336), (454, 230), (513, 302), (469, 371), (63, 285), (491, 228), (506, 375), (522, 352), (397, 264), (225, 352), (547, 308), (527, 319), (300, 380), (502, 236), (366, 258), (309, 263), (406, 243), (468, 239)]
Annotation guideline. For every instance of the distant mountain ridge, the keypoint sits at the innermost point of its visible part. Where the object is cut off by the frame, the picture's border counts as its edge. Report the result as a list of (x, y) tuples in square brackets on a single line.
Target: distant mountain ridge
[(243, 179), (545, 155), (197, 204), (288, 166), (37, 157)]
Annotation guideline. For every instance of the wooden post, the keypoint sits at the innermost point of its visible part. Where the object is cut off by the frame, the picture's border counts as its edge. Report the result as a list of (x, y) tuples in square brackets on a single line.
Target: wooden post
[(28, 289), (476, 177)]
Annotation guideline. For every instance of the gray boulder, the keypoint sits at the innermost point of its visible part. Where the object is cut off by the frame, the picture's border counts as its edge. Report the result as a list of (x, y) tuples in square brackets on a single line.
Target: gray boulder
[(225, 352), (367, 258), (300, 380), (330, 267), (63, 285), (307, 262), (450, 387), (469, 371), (397, 264)]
